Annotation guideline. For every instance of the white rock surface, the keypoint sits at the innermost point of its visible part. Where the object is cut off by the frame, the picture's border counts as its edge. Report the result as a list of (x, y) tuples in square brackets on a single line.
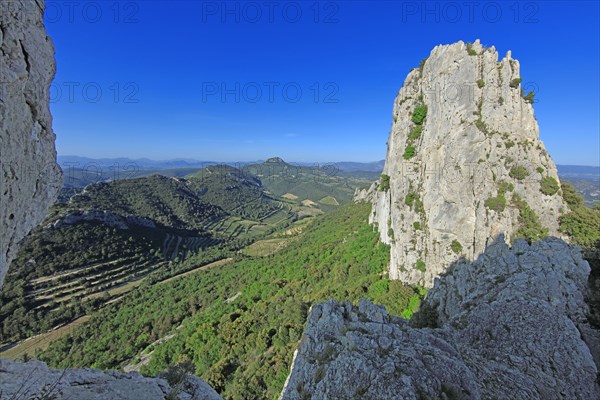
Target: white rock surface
[(29, 176), (506, 326), (457, 166)]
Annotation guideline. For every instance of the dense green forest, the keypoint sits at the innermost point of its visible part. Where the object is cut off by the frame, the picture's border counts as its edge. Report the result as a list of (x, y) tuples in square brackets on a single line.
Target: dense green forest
[(239, 324)]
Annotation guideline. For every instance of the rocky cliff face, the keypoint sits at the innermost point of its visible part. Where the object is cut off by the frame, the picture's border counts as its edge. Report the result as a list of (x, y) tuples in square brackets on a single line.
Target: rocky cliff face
[(29, 176), (506, 326), (464, 164)]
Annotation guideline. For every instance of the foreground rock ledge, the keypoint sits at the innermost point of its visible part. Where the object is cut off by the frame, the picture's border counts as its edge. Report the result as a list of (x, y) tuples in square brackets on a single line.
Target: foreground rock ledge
[(503, 327), (35, 380)]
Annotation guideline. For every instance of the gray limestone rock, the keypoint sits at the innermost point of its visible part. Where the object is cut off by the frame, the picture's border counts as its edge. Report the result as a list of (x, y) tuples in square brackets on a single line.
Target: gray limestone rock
[(479, 131), (29, 176), (506, 326), (35, 380)]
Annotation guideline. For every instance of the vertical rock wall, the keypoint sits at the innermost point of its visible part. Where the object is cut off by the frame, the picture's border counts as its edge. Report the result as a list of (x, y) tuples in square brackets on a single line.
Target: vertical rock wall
[(29, 176)]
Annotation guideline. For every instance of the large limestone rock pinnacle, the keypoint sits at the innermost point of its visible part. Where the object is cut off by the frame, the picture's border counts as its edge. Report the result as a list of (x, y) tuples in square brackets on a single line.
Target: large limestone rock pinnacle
[(468, 170), (507, 326), (29, 176)]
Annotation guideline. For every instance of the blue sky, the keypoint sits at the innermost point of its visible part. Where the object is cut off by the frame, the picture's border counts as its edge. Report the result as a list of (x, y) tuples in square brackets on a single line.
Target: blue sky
[(307, 81)]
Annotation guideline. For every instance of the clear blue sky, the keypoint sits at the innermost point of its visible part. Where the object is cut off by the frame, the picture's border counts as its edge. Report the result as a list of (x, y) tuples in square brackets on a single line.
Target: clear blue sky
[(161, 67)]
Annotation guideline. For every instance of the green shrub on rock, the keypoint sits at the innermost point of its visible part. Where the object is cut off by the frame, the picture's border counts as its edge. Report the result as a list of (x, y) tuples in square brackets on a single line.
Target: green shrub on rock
[(549, 186), (384, 183), (530, 227), (456, 246), (409, 152), (518, 172), (515, 83), (410, 199), (415, 133), (419, 114), (497, 203)]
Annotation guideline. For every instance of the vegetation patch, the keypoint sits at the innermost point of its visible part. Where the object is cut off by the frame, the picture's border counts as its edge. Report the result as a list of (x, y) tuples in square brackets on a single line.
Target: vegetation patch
[(410, 198), (582, 223), (504, 187), (409, 152), (384, 183), (419, 114), (470, 50), (529, 97), (456, 246), (549, 186), (515, 83), (497, 203), (422, 65), (518, 172), (415, 133), (530, 227), (482, 126), (480, 83), (420, 265)]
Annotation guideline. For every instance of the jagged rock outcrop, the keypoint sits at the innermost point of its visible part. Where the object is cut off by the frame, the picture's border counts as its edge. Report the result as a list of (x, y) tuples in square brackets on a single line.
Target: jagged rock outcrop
[(29, 176), (364, 194), (464, 160), (35, 380), (506, 326)]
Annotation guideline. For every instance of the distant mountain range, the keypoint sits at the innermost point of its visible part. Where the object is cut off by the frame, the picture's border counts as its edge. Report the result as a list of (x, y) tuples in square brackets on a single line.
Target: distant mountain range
[(148, 164), (122, 163), (82, 171)]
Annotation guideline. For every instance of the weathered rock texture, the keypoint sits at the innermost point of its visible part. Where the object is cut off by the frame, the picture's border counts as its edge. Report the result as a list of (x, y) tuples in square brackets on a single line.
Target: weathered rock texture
[(29, 176), (503, 327), (35, 380), (478, 127)]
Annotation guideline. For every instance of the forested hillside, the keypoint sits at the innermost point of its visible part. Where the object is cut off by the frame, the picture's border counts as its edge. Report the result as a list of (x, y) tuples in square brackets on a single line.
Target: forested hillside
[(239, 324), (108, 239)]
